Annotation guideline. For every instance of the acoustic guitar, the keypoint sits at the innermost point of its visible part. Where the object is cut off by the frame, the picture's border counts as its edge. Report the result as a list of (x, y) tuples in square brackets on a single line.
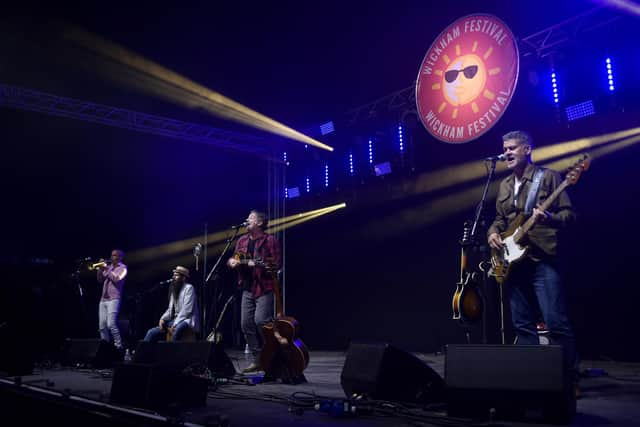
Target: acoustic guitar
[(515, 249), (284, 356), (467, 303)]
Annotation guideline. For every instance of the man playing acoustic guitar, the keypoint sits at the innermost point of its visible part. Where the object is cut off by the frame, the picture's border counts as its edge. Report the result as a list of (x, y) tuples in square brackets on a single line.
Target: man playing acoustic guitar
[(533, 281), (253, 250)]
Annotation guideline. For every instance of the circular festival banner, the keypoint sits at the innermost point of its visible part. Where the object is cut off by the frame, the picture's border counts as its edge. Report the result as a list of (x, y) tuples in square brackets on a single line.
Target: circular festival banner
[(467, 78)]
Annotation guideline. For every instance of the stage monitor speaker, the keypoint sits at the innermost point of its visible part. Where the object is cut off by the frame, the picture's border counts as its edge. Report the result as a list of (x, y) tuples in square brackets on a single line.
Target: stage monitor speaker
[(18, 353), (92, 352), (508, 382), (156, 387), (179, 355), (384, 372)]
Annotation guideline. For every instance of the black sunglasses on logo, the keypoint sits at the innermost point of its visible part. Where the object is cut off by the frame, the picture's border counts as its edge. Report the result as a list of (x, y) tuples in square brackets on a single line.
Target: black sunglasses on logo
[(470, 71)]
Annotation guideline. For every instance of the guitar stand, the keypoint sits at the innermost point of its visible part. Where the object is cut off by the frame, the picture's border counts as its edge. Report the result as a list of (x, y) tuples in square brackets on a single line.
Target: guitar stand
[(282, 373), (501, 313), (285, 380)]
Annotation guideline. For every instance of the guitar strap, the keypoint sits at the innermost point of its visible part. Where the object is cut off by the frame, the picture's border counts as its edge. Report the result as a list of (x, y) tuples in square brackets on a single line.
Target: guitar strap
[(533, 192)]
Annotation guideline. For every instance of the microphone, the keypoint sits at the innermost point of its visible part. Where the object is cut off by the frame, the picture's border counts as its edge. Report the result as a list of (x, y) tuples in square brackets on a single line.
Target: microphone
[(498, 158), (197, 250), (166, 282), (244, 224)]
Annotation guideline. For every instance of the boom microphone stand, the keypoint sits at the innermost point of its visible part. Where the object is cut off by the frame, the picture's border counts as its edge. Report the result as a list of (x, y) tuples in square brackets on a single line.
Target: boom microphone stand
[(214, 269), (491, 169)]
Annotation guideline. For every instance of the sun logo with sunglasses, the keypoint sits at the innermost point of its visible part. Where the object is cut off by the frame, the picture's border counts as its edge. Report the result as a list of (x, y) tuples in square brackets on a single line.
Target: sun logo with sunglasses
[(464, 80), (467, 78)]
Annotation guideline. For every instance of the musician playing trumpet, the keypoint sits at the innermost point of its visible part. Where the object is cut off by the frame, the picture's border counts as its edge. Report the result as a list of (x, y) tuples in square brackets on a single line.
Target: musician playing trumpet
[(112, 276)]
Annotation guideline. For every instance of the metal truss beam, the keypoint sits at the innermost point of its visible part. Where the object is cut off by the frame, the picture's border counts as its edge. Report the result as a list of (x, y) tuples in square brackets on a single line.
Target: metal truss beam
[(541, 44), (401, 99), (31, 100), (550, 40)]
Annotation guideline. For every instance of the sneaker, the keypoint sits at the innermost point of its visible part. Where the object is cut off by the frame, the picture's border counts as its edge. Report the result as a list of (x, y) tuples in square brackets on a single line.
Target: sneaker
[(253, 367)]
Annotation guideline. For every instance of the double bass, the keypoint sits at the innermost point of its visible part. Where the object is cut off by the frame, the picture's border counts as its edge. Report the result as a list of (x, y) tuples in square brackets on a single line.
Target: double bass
[(284, 356), (467, 303)]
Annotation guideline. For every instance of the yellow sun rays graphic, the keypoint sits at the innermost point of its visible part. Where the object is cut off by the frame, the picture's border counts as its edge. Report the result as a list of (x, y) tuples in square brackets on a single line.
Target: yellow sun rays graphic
[(464, 78)]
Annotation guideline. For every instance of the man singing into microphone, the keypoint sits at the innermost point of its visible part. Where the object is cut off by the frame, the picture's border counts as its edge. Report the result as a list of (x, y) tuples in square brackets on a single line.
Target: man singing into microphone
[(111, 277), (256, 282), (181, 317), (535, 281)]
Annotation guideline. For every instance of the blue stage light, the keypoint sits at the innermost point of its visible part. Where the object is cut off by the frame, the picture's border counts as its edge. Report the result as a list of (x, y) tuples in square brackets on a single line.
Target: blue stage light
[(326, 175), (293, 192), (579, 111), (609, 66), (351, 164), (327, 128), (382, 169)]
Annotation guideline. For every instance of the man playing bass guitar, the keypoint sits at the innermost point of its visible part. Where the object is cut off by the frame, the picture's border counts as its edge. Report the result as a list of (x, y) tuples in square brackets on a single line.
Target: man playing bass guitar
[(534, 281)]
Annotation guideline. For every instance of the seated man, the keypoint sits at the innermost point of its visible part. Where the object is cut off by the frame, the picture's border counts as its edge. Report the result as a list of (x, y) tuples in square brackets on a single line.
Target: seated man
[(181, 317)]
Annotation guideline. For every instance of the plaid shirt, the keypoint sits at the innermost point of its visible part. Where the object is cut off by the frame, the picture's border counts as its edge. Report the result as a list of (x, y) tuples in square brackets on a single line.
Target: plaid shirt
[(267, 248)]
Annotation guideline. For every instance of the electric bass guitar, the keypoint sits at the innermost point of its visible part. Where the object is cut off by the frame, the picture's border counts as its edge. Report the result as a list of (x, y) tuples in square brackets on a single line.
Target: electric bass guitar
[(515, 249)]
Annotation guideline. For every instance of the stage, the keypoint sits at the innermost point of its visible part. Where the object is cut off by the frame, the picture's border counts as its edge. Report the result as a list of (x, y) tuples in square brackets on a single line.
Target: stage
[(609, 395)]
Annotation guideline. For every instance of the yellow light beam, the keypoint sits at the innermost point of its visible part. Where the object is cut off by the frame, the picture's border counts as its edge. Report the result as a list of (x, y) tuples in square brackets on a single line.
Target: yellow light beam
[(433, 211), (562, 148), (296, 216), (306, 218), (212, 101), (188, 260), (173, 248), (470, 171)]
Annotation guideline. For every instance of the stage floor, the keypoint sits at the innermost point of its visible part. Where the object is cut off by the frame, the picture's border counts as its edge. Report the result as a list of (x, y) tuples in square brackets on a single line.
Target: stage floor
[(611, 399)]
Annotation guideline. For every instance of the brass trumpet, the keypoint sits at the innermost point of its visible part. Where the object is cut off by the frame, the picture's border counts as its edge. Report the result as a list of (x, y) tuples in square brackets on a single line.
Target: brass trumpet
[(99, 264)]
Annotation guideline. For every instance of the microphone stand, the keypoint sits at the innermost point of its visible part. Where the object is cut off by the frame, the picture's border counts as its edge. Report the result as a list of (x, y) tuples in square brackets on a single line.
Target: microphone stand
[(472, 239), (214, 269), (76, 278)]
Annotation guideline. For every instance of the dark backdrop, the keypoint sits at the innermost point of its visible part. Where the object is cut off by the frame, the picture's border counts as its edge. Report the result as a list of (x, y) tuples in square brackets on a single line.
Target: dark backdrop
[(385, 267)]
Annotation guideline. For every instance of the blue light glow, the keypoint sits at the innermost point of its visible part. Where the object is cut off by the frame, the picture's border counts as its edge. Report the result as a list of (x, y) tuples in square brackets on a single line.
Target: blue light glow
[(554, 85), (400, 138), (293, 192), (351, 164), (579, 111), (609, 74), (326, 175), (308, 184), (370, 151), (327, 128)]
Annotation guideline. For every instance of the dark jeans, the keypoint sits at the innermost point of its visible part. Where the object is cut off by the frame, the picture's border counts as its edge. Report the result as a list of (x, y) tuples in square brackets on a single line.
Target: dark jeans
[(536, 289), (254, 313), (157, 334)]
